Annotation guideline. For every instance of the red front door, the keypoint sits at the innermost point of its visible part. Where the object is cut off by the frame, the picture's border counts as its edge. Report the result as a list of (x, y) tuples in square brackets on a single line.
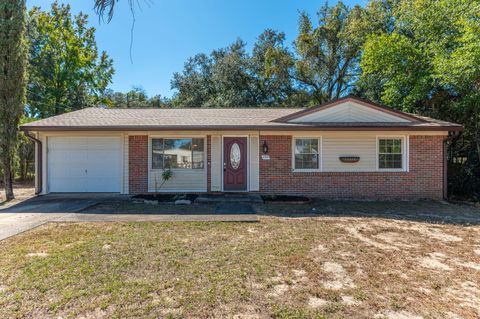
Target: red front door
[(234, 163)]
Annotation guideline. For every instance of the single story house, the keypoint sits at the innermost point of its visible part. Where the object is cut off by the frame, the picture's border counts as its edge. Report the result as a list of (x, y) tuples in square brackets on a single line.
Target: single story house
[(348, 148)]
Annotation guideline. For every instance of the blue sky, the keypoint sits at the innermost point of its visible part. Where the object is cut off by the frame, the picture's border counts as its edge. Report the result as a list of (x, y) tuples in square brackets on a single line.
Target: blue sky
[(167, 33)]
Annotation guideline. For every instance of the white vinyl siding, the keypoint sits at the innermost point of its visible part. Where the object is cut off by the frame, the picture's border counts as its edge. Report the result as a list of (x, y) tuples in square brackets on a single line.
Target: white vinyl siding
[(254, 163), (349, 112), (182, 180), (216, 163), (335, 147), (364, 145)]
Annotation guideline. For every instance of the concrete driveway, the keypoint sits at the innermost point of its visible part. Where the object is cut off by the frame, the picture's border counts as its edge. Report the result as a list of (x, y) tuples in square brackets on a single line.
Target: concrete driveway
[(39, 210)]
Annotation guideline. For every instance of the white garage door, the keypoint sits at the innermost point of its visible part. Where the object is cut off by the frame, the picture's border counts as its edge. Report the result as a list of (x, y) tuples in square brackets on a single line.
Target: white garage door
[(84, 164)]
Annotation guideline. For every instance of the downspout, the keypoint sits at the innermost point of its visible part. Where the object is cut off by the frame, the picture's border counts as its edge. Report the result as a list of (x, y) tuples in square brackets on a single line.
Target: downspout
[(38, 161)]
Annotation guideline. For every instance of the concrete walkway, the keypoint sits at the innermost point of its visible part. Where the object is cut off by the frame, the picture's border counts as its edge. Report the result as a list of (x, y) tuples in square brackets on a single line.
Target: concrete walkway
[(82, 217)]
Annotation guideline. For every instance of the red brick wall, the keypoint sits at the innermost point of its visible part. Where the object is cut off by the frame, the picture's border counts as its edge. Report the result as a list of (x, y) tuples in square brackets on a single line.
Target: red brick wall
[(424, 180), (138, 164)]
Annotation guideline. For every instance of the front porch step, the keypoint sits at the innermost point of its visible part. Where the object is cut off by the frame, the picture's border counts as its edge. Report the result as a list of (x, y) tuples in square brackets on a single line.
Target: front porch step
[(229, 198)]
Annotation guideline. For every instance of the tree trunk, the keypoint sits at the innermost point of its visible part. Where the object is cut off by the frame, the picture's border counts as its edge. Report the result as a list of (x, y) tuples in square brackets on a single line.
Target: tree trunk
[(8, 180), (13, 60)]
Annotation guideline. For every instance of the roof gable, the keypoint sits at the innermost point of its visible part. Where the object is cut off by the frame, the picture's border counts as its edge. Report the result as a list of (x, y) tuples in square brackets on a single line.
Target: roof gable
[(350, 110)]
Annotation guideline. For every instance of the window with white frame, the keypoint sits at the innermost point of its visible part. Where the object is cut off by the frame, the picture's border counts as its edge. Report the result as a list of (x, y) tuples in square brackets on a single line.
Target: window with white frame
[(186, 153), (306, 154), (390, 153)]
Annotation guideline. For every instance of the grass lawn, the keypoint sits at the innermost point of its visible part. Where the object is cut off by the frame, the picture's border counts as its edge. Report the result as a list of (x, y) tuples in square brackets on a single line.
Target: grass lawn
[(320, 267)]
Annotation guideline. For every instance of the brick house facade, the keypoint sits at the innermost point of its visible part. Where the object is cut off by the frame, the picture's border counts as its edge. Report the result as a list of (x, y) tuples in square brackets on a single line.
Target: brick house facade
[(423, 180), (347, 148)]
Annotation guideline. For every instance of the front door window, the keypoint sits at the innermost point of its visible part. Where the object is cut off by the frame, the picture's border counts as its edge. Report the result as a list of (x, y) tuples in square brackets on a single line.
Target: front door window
[(235, 156)]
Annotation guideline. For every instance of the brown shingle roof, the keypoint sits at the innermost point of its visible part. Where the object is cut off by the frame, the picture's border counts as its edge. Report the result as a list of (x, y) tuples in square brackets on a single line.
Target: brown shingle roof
[(98, 119)]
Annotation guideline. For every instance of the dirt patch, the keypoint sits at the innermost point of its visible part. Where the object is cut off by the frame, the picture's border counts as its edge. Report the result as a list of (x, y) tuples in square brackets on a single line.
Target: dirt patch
[(356, 231), (467, 295), (246, 316), (279, 290), (396, 239), (98, 313), (435, 261), (436, 234), (341, 280), (350, 301), (468, 264), (320, 248), (314, 302), (22, 191), (397, 315)]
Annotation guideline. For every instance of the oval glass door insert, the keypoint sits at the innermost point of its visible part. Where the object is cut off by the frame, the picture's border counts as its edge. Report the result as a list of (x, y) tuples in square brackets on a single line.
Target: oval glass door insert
[(235, 157)]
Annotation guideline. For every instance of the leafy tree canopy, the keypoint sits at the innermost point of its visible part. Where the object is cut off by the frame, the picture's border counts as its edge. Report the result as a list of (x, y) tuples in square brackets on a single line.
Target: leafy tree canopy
[(231, 77), (66, 71), (136, 98), (324, 63), (427, 61)]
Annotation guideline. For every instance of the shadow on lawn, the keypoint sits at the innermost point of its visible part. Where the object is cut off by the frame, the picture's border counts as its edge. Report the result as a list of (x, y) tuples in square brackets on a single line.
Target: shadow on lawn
[(420, 211)]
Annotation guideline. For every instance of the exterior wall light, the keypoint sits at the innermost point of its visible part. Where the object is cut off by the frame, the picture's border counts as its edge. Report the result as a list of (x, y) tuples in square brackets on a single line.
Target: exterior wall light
[(265, 147)]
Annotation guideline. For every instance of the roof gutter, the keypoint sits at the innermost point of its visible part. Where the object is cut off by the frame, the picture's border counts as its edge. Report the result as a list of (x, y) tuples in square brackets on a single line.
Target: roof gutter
[(244, 127), (38, 161)]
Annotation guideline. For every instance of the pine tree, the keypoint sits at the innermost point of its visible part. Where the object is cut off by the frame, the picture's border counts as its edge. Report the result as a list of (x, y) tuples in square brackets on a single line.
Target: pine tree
[(13, 60)]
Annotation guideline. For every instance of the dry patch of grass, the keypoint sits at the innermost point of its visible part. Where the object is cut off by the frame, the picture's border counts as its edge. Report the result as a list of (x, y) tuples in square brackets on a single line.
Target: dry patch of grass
[(22, 191), (280, 267)]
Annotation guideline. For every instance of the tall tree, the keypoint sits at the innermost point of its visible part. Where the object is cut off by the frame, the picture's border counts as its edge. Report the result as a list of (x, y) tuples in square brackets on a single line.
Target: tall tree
[(273, 89), (219, 79), (136, 98), (428, 63), (12, 83), (232, 77), (66, 70), (325, 58)]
